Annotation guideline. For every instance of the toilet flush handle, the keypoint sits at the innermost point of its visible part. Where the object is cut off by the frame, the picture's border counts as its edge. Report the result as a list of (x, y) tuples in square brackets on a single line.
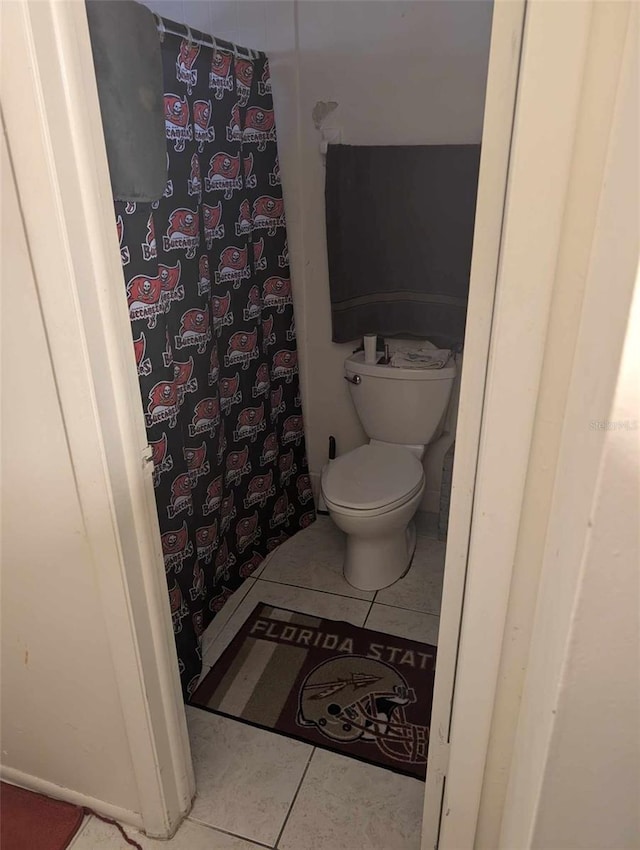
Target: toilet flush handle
[(355, 380)]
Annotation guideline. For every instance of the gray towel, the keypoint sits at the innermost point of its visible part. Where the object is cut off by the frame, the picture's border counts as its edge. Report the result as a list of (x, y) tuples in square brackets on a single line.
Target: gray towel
[(126, 56), (399, 237)]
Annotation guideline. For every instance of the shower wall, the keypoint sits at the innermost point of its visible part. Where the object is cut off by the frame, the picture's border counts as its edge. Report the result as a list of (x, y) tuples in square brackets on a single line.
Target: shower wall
[(400, 73)]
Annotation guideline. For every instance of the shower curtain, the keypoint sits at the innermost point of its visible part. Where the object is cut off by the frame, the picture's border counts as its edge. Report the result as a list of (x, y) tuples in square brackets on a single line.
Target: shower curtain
[(209, 294)]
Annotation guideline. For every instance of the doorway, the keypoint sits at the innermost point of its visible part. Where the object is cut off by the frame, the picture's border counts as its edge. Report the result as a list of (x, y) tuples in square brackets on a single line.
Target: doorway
[(150, 591)]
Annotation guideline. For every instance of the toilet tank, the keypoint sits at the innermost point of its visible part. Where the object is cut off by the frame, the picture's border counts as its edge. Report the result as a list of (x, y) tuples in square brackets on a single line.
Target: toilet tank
[(396, 405)]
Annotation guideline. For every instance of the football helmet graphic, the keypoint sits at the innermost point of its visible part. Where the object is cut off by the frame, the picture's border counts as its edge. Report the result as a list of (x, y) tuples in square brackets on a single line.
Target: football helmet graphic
[(354, 698)]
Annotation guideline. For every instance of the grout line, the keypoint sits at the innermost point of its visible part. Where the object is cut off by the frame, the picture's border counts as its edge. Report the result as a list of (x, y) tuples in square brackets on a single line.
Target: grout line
[(226, 832), (410, 610), (85, 822), (232, 611), (315, 589), (264, 564), (415, 610), (295, 797), (370, 609)]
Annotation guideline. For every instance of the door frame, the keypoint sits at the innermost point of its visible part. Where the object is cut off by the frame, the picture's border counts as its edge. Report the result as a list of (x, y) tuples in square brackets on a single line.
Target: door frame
[(568, 768), (61, 169), (502, 79), (489, 489)]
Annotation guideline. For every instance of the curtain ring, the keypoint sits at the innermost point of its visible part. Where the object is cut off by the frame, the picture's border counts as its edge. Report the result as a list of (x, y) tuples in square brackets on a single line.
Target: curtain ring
[(160, 26)]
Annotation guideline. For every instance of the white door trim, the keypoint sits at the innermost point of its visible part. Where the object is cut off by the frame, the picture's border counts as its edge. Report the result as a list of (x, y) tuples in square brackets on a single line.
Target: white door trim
[(59, 160), (592, 526), (502, 79), (548, 96)]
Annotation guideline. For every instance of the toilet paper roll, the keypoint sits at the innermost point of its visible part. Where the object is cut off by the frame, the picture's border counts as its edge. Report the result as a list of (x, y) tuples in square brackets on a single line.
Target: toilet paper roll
[(370, 341)]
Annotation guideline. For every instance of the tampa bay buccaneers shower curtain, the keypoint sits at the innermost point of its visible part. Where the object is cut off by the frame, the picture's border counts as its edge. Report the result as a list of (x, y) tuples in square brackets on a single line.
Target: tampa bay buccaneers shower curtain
[(207, 282)]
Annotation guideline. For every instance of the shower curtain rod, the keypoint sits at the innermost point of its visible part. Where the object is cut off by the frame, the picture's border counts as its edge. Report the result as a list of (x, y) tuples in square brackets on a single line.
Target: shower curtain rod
[(194, 36)]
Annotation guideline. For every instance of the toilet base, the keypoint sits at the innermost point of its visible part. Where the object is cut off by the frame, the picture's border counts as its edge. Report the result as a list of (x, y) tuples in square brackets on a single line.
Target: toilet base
[(373, 563)]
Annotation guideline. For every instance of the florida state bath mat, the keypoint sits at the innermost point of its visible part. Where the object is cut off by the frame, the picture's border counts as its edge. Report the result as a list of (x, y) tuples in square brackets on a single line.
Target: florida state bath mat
[(361, 693)]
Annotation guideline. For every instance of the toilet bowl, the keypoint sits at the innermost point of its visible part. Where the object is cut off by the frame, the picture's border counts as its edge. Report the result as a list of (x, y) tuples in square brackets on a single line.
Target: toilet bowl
[(372, 494)]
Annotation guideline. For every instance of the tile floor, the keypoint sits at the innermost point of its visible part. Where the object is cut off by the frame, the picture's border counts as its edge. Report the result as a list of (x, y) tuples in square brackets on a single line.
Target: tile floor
[(258, 789)]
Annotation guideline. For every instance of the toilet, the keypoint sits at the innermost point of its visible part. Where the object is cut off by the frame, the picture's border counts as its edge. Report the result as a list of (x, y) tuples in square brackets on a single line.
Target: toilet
[(373, 492)]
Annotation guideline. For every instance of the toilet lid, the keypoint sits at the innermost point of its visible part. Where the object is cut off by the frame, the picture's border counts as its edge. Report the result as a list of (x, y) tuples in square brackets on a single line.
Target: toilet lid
[(372, 476)]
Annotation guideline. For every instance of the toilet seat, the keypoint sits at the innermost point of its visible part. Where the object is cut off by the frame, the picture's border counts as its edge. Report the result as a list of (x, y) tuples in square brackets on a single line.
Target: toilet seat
[(372, 479)]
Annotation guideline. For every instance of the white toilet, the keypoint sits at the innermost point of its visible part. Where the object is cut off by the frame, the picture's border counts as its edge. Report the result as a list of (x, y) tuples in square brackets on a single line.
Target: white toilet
[(373, 492)]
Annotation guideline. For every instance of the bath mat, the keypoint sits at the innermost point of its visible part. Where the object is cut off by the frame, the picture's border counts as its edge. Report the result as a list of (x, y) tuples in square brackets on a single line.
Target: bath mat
[(355, 691), (30, 820)]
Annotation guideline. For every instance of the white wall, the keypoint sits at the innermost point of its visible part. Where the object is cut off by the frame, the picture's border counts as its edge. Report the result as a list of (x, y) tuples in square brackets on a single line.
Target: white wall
[(402, 73), (62, 724)]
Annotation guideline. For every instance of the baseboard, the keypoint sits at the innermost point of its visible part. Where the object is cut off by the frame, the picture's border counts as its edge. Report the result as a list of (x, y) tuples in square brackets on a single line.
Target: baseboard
[(58, 792)]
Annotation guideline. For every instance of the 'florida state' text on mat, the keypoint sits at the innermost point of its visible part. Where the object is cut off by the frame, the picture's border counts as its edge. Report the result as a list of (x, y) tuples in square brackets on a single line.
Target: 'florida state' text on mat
[(361, 693)]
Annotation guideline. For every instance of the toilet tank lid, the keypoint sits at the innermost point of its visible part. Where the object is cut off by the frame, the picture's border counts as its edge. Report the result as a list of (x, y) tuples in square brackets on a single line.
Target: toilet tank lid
[(355, 364), (372, 476)]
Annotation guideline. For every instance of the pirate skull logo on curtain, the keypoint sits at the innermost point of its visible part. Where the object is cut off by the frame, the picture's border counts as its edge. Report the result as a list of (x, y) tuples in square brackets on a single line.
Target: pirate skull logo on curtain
[(209, 296)]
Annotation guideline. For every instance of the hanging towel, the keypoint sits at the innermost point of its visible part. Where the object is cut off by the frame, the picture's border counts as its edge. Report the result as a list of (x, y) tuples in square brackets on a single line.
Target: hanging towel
[(128, 65), (421, 358), (399, 237)]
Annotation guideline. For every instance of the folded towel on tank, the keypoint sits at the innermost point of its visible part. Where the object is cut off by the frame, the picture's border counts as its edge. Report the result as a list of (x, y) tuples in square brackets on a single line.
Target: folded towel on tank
[(421, 358)]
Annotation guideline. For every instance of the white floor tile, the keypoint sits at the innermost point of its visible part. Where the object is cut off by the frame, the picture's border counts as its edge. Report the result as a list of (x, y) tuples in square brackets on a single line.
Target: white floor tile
[(313, 558), (413, 625), (246, 778), (223, 616), (96, 835), (421, 588), (313, 602), (344, 804)]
